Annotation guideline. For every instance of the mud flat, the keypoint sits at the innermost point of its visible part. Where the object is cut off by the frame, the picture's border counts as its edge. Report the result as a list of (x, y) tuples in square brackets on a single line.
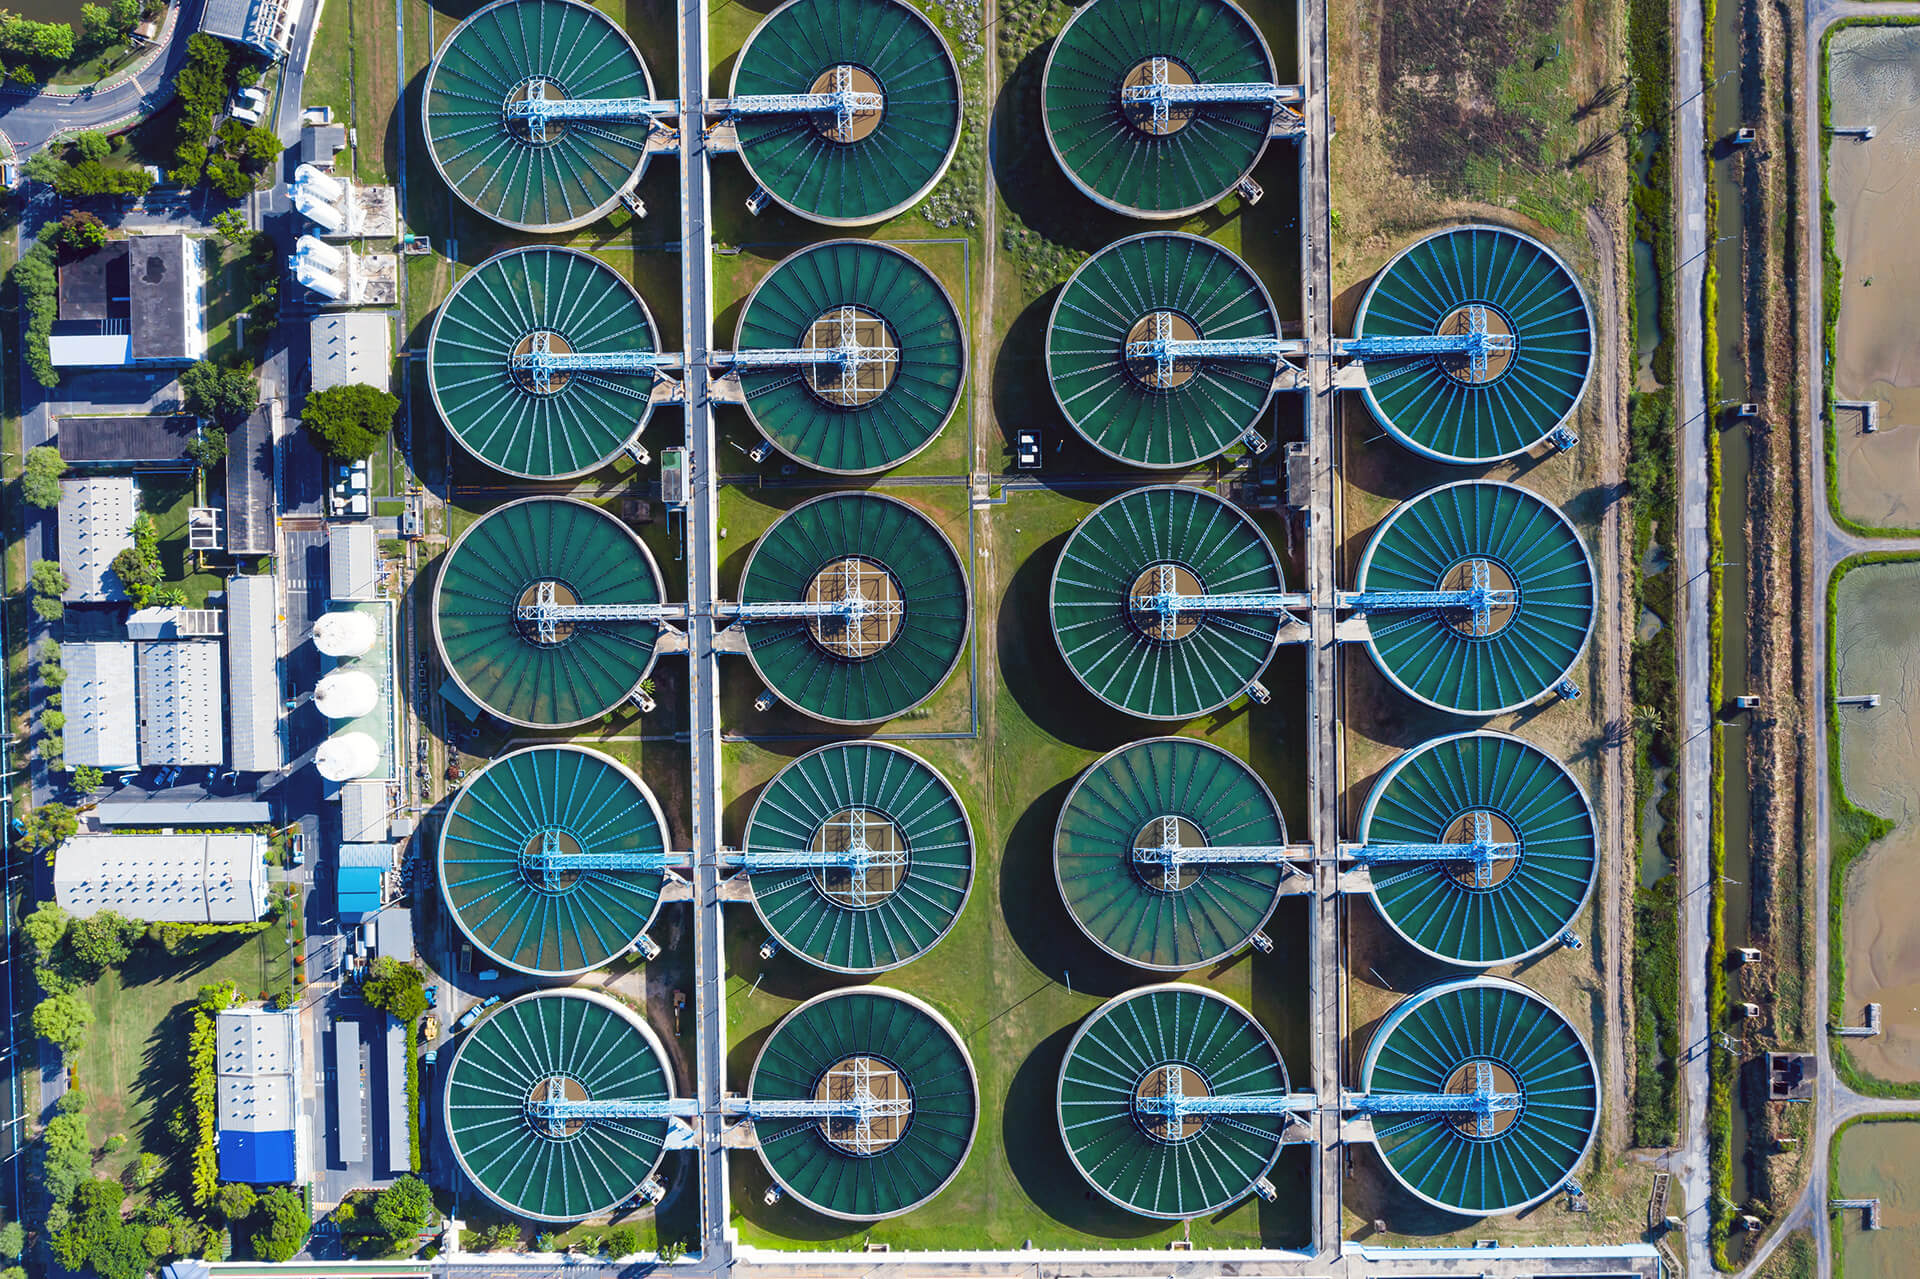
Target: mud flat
[(1877, 638), (1874, 74), (1876, 1161)]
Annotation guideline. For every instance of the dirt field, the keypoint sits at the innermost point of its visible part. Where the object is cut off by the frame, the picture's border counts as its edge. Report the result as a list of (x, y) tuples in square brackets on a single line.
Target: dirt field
[(1875, 636), (1875, 77)]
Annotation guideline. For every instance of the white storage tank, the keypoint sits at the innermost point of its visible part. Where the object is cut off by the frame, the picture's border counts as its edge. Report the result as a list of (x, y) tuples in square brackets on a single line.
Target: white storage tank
[(326, 285), (317, 210), (320, 253), (325, 185)]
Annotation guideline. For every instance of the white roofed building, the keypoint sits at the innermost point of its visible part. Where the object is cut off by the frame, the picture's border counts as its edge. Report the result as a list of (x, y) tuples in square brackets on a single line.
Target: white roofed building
[(256, 1080), (102, 723), (181, 702), (253, 676), (189, 879), (96, 524)]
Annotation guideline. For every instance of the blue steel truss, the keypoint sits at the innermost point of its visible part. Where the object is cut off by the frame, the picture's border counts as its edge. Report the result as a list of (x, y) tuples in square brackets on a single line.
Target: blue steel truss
[(859, 859), (1173, 1107), (1167, 603), (844, 101), (548, 615), (1482, 852), (537, 110), (541, 364), (1161, 95), (1166, 351), (551, 1110), (549, 858), (1481, 1102), (1477, 344), (848, 354), (1478, 600)]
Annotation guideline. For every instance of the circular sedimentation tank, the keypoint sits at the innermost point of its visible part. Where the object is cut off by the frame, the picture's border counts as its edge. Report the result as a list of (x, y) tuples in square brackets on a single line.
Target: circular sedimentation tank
[(1438, 655), (894, 1047), (1115, 153), (889, 159), (1437, 1041), (1454, 790), (1131, 548), (565, 301), (872, 796), (503, 562), (588, 1048), (853, 421), (494, 164), (1157, 1042), (915, 611), (1131, 410), (1440, 406), (1122, 809), (529, 913)]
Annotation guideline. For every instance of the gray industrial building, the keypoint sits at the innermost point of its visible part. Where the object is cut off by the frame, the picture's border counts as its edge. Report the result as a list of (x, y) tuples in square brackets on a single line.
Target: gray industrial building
[(102, 721), (96, 524), (190, 879), (253, 676), (180, 696)]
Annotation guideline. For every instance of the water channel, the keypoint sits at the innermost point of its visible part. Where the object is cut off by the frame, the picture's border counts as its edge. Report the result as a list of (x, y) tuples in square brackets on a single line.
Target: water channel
[(1735, 457)]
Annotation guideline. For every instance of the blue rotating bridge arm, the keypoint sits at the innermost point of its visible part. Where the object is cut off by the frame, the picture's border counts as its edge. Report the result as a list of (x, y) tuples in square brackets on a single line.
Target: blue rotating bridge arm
[(1482, 852), (537, 110), (1479, 599), (843, 100), (543, 365), (548, 615), (1477, 344), (1167, 351), (1480, 1103), (1161, 95)]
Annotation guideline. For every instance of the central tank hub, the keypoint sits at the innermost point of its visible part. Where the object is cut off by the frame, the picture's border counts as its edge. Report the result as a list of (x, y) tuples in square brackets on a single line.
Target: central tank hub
[(875, 607), (552, 1088), (851, 385), (1150, 372), (881, 1105), (1169, 1079), (1474, 1073), (1459, 322), (1146, 601), (859, 80), (1464, 576), (551, 632), (1140, 114), (1474, 824), (879, 863), (1154, 841), (524, 364)]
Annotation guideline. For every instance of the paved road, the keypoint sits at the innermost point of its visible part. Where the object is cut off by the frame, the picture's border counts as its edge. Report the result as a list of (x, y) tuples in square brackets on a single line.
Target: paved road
[(710, 974), (28, 122), (1691, 1162)]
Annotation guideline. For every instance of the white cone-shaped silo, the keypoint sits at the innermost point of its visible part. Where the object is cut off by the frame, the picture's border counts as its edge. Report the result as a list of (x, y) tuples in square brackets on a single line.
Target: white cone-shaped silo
[(346, 695), (325, 185), (317, 210), (312, 277), (345, 756), (320, 253), (344, 634)]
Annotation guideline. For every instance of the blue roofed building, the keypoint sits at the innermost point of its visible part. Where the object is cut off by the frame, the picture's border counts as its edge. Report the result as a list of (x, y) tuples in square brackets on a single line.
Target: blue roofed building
[(360, 884), (256, 1076)]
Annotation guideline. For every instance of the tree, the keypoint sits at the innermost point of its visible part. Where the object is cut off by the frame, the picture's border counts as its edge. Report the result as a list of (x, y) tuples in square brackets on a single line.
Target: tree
[(101, 941), (45, 927), (404, 1208), (223, 394), (172, 595), (40, 480), (50, 825), (87, 780), (232, 226), (138, 575), (207, 449), (284, 1225), (236, 1200), (396, 987), (348, 422), (77, 234), (62, 1021), (49, 608), (622, 1241), (41, 41), (92, 145), (13, 1240), (54, 721), (48, 579), (225, 175)]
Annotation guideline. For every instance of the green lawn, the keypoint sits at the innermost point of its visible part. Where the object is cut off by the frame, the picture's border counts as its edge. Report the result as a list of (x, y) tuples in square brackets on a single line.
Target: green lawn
[(133, 1069), (167, 498)]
